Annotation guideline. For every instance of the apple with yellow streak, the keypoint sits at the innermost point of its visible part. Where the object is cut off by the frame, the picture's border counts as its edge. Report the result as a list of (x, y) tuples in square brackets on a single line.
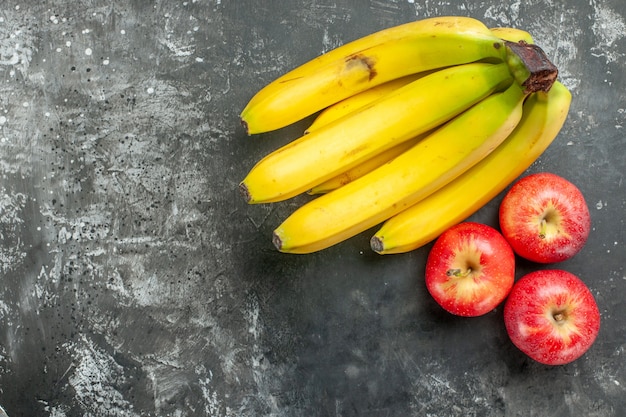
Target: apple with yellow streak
[(545, 218)]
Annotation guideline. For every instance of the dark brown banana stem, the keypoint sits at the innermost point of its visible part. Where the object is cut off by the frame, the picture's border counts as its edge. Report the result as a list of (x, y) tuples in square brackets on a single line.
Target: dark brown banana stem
[(539, 72)]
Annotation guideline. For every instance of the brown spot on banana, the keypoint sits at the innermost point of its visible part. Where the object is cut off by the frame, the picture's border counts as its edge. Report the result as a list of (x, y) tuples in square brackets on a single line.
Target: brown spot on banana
[(362, 61)]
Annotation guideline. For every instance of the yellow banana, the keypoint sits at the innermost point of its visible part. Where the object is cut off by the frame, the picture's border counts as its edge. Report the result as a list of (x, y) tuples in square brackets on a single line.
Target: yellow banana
[(408, 178), (436, 26), (359, 101), (372, 60), (543, 116), (512, 34), (399, 116)]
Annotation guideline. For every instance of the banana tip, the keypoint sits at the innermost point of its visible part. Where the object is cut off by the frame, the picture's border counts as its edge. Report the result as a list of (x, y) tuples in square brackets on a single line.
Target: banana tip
[(245, 126), (243, 189), (277, 241), (376, 243)]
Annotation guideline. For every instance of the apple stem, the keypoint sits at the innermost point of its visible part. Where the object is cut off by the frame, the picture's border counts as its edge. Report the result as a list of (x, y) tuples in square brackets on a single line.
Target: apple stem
[(559, 316), (458, 273)]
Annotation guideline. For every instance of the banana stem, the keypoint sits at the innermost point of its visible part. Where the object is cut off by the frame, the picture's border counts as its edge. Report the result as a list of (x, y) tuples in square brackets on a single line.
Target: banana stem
[(531, 67)]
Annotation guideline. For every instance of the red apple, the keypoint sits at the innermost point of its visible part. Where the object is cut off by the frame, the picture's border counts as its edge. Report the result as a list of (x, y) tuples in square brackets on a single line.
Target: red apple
[(470, 269), (545, 218), (551, 316)]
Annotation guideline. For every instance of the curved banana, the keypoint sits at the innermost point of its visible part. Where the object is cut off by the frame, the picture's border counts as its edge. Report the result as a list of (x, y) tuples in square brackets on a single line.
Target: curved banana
[(436, 25), (430, 164), (359, 101), (512, 34), (372, 60), (543, 116), (409, 111)]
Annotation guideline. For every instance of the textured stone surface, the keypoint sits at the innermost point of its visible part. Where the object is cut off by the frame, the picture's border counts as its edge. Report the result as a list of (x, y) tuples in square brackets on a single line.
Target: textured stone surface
[(136, 282)]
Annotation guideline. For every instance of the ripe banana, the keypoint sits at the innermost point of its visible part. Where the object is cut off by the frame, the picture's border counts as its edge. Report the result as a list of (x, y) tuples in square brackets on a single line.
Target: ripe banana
[(407, 112), (369, 61), (543, 116), (436, 26), (359, 101), (430, 164)]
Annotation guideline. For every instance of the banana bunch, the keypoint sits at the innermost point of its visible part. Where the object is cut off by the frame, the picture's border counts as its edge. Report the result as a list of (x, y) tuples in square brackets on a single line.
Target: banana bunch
[(417, 127)]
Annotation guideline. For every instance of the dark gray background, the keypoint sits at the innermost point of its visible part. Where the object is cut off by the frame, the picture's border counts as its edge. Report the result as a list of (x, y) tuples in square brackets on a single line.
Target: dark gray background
[(136, 281)]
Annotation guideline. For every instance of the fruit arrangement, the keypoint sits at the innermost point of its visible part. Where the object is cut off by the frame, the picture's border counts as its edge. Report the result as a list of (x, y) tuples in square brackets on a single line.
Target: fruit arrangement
[(550, 315), (417, 127), (438, 113)]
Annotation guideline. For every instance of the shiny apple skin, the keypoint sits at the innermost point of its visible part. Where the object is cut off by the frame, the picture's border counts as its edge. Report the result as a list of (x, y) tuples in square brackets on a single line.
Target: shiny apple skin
[(534, 326), (485, 263), (553, 198)]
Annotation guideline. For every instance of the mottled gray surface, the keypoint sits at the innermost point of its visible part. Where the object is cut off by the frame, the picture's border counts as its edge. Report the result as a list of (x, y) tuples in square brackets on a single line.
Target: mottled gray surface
[(136, 282)]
